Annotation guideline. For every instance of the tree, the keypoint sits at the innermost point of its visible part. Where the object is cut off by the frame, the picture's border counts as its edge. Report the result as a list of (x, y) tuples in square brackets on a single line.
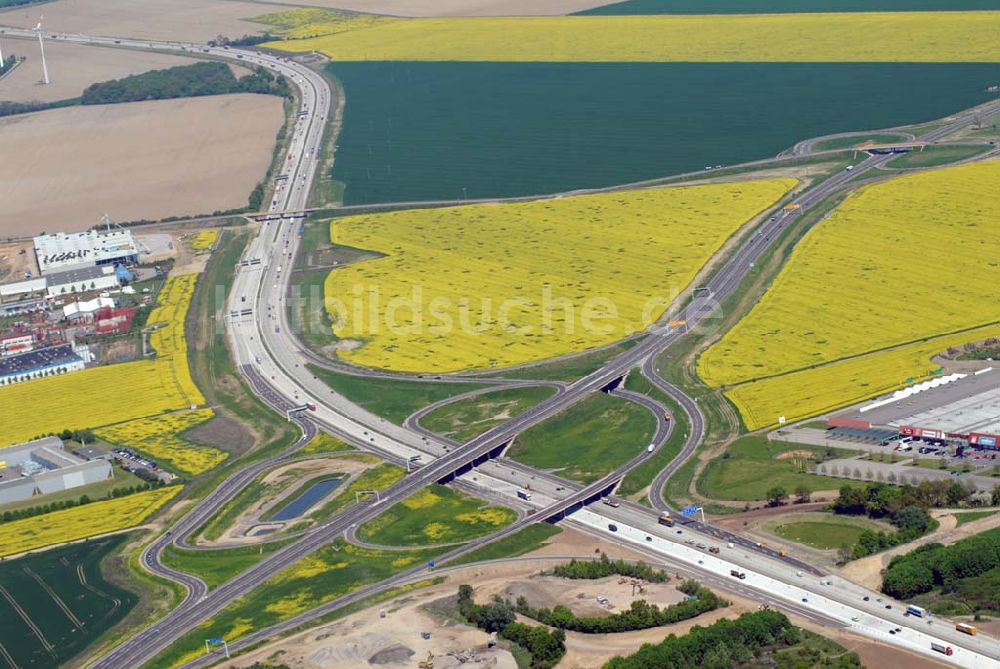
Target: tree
[(957, 493), (803, 492), (996, 496), (776, 496), (497, 615)]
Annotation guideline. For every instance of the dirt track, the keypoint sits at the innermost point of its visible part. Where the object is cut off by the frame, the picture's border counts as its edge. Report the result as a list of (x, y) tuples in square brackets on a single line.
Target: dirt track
[(73, 67), (136, 160), (868, 571)]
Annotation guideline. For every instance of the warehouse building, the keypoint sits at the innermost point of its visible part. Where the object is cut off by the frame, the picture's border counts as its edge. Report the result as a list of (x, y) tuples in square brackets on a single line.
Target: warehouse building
[(50, 361), (43, 466), (67, 282), (77, 250)]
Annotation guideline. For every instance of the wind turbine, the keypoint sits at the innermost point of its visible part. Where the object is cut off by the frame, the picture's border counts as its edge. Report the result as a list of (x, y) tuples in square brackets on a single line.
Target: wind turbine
[(41, 47)]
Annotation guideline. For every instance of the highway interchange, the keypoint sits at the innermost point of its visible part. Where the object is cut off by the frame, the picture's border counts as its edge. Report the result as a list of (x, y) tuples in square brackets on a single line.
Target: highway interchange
[(275, 363)]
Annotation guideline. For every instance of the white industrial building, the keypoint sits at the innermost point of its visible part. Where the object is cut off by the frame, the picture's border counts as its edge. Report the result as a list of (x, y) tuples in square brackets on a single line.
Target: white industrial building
[(50, 361), (66, 282), (87, 309), (43, 466), (76, 250)]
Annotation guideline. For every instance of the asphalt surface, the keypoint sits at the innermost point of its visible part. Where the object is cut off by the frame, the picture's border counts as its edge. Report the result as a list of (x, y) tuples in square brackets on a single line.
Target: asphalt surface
[(281, 379)]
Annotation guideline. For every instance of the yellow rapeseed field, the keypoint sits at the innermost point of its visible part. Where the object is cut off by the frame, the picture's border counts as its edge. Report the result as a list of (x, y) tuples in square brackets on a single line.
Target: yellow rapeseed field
[(815, 391), (204, 240), (899, 261), (84, 521), (115, 393), (494, 285), (159, 437), (313, 22), (845, 37)]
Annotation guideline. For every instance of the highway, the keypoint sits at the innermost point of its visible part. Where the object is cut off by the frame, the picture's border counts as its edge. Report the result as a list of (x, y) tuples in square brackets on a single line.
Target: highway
[(283, 362), (269, 354)]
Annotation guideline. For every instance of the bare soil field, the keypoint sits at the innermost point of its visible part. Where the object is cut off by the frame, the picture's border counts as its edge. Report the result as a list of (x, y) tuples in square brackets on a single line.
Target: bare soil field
[(16, 258), (354, 640), (418, 8), (195, 20), (73, 67), (137, 160)]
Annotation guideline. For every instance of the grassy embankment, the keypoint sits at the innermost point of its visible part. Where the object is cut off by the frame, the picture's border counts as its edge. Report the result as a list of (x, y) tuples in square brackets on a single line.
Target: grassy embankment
[(435, 515), (588, 440), (470, 417)]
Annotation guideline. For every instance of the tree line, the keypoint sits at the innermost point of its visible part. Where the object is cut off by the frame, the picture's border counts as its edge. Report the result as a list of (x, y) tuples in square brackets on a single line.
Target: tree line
[(205, 78), (723, 644), (639, 616), (904, 506), (593, 569), (10, 108), (878, 499), (42, 509), (545, 648), (936, 565)]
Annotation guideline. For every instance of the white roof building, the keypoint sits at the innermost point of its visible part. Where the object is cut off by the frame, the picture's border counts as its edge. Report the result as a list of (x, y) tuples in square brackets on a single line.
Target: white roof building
[(87, 307), (75, 250)]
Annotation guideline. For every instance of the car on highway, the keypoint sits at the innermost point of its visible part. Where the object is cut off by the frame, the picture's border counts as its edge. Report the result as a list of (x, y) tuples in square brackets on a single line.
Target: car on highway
[(612, 527), (648, 538)]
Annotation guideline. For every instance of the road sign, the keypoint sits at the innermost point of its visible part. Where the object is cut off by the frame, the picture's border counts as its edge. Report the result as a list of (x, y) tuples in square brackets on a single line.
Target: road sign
[(781, 420), (431, 564), (689, 510), (677, 324), (216, 641)]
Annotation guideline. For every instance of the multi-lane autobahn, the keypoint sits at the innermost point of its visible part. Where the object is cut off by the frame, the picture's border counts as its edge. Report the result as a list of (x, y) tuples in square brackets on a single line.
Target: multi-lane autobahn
[(271, 357)]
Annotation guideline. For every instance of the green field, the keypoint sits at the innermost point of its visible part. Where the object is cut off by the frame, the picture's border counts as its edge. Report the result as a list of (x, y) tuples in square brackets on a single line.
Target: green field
[(969, 516), (824, 533), (324, 443), (570, 368), (937, 155), (64, 595), (749, 468), (523, 541), (784, 6), (379, 478), (850, 142), (435, 515), (515, 128), (470, 417), (392, 399), (334, 570), (640, 477), (217, 566), (588, 440)]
